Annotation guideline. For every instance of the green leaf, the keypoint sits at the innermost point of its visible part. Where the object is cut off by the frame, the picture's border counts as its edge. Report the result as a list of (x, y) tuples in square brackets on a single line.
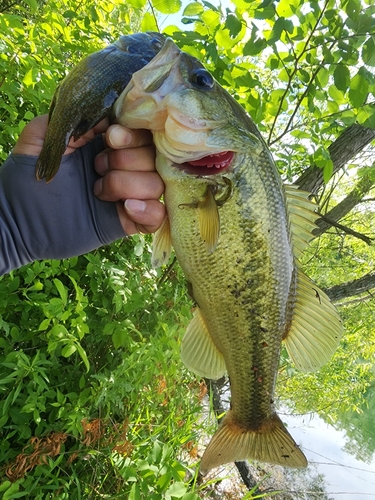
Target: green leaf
[(137, 4), (287, 8), (70, 14), (83, 356), (341, 77), (12, 491), (148, 22), (336, 94), (44, 324), (323, 77), (252, 48), (167, 6), (33, 4), (108, 328), (233, 24), (29, 79), (190, 496), (138, 248), (29, 115), (193, 9), (281, 24), (353, 8), (68, 350), (3, 345), (366, 116), (4, 486), (177, 489), (63, 292), (119, 338), (135, 493), (223, 39), (58, 331), (358, 92), (327, 171)]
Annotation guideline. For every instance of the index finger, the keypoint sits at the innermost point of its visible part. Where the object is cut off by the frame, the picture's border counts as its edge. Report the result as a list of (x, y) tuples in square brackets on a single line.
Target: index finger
[(118, 137)]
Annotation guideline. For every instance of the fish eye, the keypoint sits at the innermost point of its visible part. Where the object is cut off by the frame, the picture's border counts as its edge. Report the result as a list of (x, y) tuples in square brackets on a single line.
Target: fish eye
[(202, 78)]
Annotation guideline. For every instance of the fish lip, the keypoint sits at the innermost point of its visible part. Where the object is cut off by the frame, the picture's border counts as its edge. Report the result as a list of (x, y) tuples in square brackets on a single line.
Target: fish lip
[(197, 167)]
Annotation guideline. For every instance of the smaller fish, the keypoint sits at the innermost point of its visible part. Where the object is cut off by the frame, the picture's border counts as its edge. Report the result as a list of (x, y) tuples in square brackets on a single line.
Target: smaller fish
[(87, 93)]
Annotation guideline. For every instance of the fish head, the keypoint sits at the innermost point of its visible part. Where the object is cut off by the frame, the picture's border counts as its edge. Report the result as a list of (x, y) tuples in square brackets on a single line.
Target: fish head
[(196, 124)]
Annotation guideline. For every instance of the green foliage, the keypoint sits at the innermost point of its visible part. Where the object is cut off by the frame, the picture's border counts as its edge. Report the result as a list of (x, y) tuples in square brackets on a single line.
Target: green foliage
[(94, 340), (40, 42), (301, 69), (94, 401)]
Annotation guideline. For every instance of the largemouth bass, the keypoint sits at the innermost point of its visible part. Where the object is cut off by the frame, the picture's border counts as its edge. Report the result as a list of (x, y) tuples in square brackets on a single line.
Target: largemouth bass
[(87, 93), (237, 233)]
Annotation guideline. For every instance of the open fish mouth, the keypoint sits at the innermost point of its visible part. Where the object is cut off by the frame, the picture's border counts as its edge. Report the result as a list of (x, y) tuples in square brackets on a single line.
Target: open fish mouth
[(212, 164)]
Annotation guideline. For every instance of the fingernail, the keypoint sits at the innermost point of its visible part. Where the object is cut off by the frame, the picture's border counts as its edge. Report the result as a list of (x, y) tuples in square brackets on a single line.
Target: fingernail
[(98, 187), (101, 162), (120, 137), (135, 206)]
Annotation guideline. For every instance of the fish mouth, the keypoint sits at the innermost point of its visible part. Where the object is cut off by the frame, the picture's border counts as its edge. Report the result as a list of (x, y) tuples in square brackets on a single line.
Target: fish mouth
[(212, 164)]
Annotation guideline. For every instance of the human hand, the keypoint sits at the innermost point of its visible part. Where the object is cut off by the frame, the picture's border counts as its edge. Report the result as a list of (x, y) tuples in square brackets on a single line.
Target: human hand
[(127, 168), (130, 180)]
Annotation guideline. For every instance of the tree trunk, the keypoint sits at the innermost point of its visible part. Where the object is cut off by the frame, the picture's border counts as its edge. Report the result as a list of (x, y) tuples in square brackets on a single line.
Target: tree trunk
[(346, 146)]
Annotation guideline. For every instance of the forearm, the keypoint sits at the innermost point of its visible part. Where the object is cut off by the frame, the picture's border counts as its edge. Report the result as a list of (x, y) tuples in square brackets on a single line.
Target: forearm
[(55, 220)]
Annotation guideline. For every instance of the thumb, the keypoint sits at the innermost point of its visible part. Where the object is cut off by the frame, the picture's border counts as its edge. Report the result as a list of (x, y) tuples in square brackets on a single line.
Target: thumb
[(32, 137)]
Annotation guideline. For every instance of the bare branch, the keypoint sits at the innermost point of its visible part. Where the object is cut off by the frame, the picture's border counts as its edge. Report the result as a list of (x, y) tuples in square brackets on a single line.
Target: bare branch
[(350, 288), (330, 222), (363, 186)]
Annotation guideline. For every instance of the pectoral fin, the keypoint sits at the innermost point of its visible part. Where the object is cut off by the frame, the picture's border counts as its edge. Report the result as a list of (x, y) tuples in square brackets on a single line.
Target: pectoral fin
[(162, 245), (209, 221), (316, 327), (198, 352)]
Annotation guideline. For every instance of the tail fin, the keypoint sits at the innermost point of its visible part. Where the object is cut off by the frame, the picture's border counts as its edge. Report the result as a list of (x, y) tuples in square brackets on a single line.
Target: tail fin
[(50, 157), (270, 443)]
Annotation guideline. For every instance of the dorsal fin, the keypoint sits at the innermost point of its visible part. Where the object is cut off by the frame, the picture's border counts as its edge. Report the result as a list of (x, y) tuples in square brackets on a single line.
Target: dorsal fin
[(302, 217), (316, 328)]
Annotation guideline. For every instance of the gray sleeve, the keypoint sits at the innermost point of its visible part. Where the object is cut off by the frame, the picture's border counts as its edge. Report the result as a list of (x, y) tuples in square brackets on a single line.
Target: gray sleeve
[(56, 220)]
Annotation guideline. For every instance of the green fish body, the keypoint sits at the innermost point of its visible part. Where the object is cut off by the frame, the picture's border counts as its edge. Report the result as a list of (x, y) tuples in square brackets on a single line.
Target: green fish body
[(88, 92), (237, 232)]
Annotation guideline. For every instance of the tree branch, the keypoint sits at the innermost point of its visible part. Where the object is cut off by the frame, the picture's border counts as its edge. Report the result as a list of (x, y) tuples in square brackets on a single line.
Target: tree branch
[(363, 186), (342, 150), (330, 222), (291, 76), (350, 288)]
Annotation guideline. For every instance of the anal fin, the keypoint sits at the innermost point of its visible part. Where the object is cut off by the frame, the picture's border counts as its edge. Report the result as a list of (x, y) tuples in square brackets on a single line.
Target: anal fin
[(270, 442), (198, 352), (316, 328)]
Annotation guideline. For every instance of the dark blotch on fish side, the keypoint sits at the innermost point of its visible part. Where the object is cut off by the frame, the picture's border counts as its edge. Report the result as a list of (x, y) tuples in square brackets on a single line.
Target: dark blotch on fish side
[(88, 92)]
